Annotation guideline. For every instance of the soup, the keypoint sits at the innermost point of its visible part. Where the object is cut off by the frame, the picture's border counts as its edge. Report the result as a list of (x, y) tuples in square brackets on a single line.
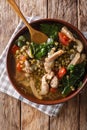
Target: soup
[(50, 70)]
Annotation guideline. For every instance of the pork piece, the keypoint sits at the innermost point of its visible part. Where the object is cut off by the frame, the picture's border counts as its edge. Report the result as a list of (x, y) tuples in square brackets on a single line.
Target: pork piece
[(75, 60), (70, 35), (50, 75), (44, 86), (79, 45), (54, 56), (49, 62), (82, 57), (54, 82), (67, 33), (48, 66), (51, 52)]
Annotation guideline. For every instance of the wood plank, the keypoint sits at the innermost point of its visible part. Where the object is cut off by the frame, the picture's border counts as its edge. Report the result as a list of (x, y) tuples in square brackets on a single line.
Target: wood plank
[(34, 8), (31, 118), (63, 9), (9, 113), (83, 110), (82, 12), (8, 23), (9, 107), (68, 118)]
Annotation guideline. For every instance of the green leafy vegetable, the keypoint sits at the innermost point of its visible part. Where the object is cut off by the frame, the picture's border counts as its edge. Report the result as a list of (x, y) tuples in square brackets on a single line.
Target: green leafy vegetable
[(51, 30), (41, 50), (22, 38), (66, 91), (72, 78), (34, 47), (21, 41), (41, 53)]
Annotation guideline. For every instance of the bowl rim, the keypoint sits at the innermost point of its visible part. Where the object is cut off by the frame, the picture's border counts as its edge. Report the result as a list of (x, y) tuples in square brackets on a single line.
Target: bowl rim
[(48, 102)]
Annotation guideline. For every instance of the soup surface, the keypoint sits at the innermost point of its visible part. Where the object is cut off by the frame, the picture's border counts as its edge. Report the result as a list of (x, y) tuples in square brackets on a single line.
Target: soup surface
[(50, 70)]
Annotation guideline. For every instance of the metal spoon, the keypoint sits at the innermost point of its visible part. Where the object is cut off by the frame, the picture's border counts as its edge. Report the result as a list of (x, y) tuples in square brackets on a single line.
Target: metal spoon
[(36, 36)]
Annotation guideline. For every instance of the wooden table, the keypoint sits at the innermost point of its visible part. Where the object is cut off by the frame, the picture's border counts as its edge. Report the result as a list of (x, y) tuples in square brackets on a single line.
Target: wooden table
[(15, 115)]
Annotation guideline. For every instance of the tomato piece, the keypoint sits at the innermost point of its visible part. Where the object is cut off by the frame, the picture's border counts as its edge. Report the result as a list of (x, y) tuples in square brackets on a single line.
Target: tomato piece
[(62, 71), (14, 49), (64, 39), (53, 90), (22, 58), (18, 66)]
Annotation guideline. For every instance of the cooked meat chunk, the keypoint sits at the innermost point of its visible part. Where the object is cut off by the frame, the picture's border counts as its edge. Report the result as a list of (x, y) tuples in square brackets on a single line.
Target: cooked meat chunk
[(54, 82), (75, 59), (54, 56), (44, 86)]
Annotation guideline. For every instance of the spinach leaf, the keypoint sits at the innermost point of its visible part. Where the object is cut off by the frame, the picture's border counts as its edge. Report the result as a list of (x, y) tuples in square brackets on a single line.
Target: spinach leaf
[(34, 47), (51, 30), (21, 41), (41, 53), (72, 78), (41, 50)]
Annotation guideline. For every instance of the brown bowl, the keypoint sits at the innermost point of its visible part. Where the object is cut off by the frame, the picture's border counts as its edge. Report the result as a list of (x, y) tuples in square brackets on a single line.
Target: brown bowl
[(10, 68)]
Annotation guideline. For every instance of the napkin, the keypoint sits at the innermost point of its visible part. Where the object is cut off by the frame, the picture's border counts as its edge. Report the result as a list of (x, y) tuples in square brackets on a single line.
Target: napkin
[(6, 86)]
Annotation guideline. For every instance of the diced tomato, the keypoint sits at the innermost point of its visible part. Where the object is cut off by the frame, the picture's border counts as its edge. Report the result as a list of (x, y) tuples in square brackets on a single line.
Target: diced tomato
[(18, 66), (14, 49), (22, 58), (53, 90), (62, 71), (64, 39)]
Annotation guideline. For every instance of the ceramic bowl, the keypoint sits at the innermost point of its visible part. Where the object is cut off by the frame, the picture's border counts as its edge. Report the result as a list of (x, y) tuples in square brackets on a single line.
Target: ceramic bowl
[(10, 67)]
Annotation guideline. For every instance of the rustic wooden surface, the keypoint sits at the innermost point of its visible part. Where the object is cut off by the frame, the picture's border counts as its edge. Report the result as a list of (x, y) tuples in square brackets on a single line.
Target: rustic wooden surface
[(15, 115)]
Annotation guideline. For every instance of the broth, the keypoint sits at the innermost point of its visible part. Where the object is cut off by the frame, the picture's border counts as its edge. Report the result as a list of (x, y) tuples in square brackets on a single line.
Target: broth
[(51, 70)]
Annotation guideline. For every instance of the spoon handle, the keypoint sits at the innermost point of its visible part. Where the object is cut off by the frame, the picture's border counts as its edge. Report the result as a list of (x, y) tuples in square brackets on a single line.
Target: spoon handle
[(17, 10)]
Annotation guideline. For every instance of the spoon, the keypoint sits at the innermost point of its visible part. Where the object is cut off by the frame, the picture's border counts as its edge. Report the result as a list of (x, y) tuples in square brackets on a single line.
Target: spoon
[(36, 36)]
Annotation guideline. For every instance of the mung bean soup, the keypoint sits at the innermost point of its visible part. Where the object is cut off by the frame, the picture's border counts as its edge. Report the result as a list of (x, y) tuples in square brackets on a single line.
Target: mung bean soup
[(50, 70)]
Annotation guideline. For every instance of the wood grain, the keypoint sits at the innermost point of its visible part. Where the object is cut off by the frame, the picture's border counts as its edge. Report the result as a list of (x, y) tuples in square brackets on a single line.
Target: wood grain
[(67, 118), (34, 8), (14, 116), (82, 22), (83, 110), (9, 107), (9, 113), (82, 15), (8, 23), (32, 119), (65, 9)]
